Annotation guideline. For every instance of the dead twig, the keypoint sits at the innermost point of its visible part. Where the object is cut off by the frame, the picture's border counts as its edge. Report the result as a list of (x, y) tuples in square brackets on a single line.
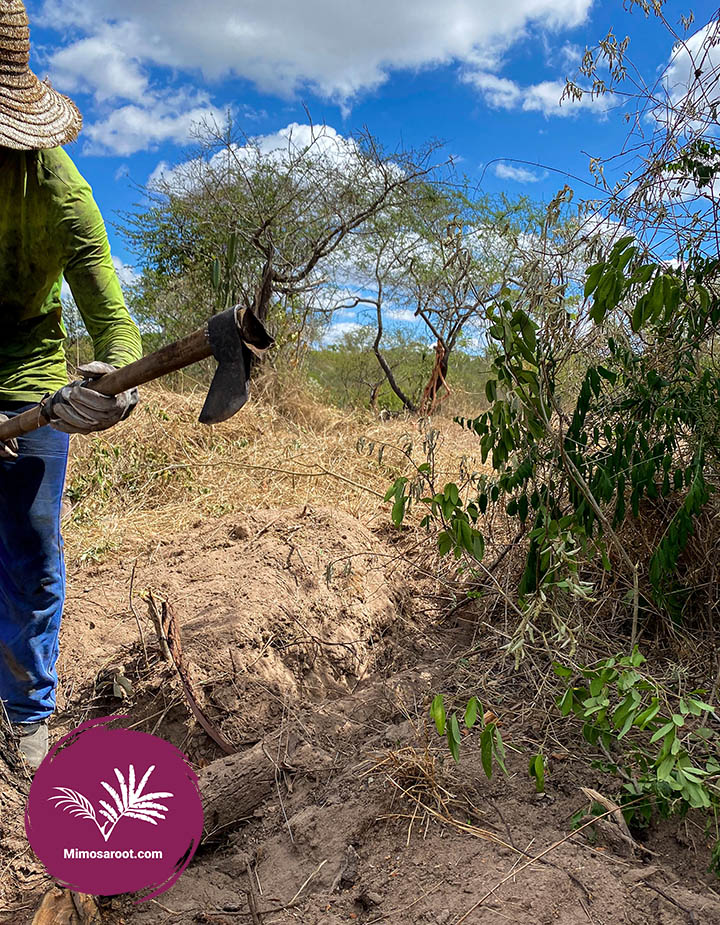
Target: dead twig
[(136, 615), (251, 898), (312, 875), (692, 918)]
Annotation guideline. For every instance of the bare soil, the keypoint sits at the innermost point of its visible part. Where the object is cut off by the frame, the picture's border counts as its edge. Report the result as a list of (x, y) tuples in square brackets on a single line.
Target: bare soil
[(305, 625)]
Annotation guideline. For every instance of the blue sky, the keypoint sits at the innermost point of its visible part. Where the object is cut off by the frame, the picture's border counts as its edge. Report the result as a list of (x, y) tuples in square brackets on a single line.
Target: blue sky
[(482, 76)]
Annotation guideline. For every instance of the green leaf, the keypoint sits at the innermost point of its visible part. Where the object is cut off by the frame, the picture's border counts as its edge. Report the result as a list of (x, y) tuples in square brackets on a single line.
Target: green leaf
[(453, 737), (486, 751), (638, 315), (708, 708), (452, 493), (537, 770), (663, 731), (471, 712), (665, 768), (454, 747), (397, 487), (593, 278), (499, 747), (398, 511), (437, 712), (566, 703)]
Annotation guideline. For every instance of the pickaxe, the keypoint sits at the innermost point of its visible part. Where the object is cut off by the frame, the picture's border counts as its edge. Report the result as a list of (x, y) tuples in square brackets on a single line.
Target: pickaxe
[(232, 337)]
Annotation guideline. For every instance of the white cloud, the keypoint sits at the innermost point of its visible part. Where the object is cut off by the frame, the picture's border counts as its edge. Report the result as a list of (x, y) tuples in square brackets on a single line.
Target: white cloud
[(336, 49), (101, 64), (570, 55), (336, 332), (127, 275), (320, 144), (544, 97), (518, 174), (498, 92), (694, 66), (134, 127), (401, 314)]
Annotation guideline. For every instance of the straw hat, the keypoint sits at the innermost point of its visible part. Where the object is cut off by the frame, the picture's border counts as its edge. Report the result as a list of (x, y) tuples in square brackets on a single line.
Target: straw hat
[(32, 114)]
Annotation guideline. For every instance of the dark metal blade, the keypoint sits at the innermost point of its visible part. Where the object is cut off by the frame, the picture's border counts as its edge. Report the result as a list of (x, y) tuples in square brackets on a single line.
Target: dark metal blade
[(229, 388)]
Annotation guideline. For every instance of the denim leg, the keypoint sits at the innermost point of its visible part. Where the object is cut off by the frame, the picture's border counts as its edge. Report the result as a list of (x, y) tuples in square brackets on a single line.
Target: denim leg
[(32, 571)]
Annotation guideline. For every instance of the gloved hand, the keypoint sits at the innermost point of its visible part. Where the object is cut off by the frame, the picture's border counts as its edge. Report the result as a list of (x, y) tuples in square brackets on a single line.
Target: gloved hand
[(8, 450), (76, 409)]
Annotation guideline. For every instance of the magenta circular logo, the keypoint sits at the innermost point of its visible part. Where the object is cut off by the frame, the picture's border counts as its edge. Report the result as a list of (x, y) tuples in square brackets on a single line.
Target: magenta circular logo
[(114, 811)]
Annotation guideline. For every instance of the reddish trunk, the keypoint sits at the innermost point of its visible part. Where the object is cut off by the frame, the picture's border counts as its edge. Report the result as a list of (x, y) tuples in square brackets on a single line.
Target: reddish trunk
[(437, 390)]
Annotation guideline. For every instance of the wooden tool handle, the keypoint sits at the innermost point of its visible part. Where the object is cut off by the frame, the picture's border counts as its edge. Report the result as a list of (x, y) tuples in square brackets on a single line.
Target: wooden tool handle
[(168, 359)]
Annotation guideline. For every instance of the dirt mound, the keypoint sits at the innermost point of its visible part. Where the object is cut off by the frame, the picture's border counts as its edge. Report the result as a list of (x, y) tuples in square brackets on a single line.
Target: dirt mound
[(292, 602), (305, 649), (380, 825)]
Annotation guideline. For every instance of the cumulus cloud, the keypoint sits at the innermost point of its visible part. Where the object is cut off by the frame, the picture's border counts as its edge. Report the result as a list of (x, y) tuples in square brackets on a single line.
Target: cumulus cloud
[(518, 174), (127, 275), (337, 331), (135, 127), (544, 97), (695, 65), (335, 49), (323, 142), (100, 64)]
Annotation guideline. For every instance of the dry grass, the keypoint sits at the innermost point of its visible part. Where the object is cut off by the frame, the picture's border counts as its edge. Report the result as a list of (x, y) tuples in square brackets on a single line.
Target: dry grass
[(160, 472)]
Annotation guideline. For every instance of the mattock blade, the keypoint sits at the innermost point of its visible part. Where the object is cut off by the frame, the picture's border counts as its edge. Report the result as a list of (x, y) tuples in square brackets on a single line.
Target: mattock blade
[(231, 334)]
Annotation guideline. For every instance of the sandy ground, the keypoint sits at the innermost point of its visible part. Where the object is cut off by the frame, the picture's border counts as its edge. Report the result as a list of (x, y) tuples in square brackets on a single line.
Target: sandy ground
[(304, 622)]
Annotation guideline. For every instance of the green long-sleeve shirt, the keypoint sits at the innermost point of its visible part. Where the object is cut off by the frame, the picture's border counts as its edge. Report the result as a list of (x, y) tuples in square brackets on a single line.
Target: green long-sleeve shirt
[(50, 227)]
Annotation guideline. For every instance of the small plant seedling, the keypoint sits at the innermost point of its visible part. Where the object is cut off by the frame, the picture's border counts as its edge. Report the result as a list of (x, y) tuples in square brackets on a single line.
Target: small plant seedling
[(536, 770), (492, 748)]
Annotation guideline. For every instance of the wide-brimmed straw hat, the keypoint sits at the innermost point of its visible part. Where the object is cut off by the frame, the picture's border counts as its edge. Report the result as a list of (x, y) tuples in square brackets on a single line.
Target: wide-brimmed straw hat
[(32, 114)]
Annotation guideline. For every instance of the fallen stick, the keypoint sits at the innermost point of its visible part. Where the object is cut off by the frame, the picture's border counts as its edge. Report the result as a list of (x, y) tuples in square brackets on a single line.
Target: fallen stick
[(167, 628), (252, 903)]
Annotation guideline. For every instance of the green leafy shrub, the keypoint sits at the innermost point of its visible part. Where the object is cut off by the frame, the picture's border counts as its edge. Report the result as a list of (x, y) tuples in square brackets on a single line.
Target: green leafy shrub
[(655, 741)]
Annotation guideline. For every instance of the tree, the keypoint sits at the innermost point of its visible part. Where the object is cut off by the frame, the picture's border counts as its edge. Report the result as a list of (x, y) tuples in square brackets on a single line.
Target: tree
[(350, 376), (605, 397), (265, 225), (440, 255)]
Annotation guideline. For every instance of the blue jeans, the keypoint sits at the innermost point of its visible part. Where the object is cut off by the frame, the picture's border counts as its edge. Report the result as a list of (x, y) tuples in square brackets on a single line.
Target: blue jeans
[(32, 571)]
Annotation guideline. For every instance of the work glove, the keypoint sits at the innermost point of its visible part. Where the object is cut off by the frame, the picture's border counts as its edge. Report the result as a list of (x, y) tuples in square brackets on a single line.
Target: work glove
[(8, 450), (76, 409)]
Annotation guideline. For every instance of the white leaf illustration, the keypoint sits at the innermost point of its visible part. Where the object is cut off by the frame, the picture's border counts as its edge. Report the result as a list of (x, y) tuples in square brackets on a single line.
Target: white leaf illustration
[(132, 815), (75, 803), (114, 795), (130, 803), (108, 811)]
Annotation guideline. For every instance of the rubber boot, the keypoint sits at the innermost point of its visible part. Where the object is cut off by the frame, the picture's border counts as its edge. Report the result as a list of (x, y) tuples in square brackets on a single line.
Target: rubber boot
[(32, 742)]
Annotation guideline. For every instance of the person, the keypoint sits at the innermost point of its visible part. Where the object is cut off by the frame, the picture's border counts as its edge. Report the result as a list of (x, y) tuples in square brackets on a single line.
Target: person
[(50, 228)]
